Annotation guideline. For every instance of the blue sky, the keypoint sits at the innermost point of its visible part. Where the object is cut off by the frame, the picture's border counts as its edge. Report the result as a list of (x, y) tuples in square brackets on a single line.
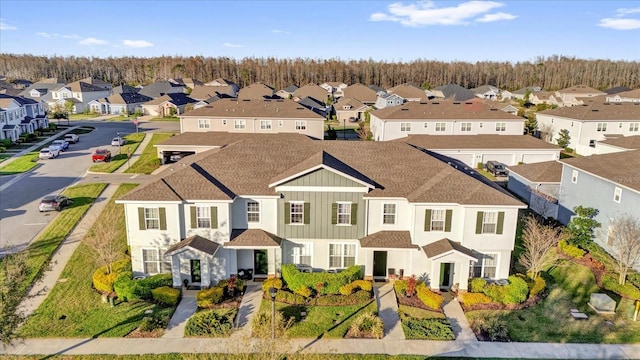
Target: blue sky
[(379, 30)]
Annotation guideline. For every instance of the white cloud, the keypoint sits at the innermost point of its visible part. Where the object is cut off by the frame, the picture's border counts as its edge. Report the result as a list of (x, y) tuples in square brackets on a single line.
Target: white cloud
[(425, 13), (47, 35), (137, 43), (55, 35), (276, 31), (5, 26), (496, 17), (625, 11), (232, 45), (91, 41), (620, 24), (74, 36)]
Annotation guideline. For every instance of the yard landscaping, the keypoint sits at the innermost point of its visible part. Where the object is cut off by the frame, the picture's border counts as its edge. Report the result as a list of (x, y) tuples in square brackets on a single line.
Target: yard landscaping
[(165, 118), (22, 164), (83, 116), (148, 161), (117, 160)]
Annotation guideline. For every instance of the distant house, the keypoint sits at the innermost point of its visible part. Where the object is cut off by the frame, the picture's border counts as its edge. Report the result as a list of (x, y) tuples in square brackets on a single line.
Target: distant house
[(618, 144), (361, 93), (575, 95), (40, 91), (233, 87), (334, 88), (443, 117), (20, 115), (314, 105), (287, 93), (544, 97), (202, 92), (167, 105), (80, 93), (258, 91), (486, 92), (616, 90), (119, 103), (593, 121), (187, 82), (408, 92), (160, 88), (626, 96), (377, 89), (311, 90), (453, 92), (521, 93), (539, 185), (385, 100), (349, 110), (125, 89)]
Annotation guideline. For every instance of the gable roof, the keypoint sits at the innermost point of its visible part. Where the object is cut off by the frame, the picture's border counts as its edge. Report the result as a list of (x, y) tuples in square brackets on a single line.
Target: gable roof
[(361, 93), (127, 98), (580, 90), (444, 246), (124, 89), (256, 91), (409, 91), (311, 90), (252, 238), (291, 88), (625, 142), (377, 88), (202, 92), (159, 88), (354, 104), (622, 167), (81, 86), (633, 94), (388, 240), (472, 110), (482, 141), (196, 242), (220, 138), (532, 89), (177, 99), (256, 108), (97, 83), (616, 90), (597, 109), (455, 92), (542, 172)]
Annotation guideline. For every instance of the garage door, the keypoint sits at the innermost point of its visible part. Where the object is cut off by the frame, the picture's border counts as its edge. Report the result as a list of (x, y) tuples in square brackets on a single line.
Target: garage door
[(536, 158), (465, 158), (507, 159)]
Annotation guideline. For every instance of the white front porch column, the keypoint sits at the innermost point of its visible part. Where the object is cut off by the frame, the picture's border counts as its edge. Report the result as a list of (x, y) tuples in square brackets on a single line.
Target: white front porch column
[(205, 272), (368, 264), (271, 262), (175, 271), (434, 279), (462, 269)]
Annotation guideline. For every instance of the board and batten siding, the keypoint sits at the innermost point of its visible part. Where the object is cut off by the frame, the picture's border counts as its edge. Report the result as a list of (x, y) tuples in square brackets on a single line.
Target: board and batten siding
[(323, 177)]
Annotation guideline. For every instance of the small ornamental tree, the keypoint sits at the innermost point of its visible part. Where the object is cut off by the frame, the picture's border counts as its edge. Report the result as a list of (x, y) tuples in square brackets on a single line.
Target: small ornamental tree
[(563, 138), (538, 241), (582, 225), (624, 241)]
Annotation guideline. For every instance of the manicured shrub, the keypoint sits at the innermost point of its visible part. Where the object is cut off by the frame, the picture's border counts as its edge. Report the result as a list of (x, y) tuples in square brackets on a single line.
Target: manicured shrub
[(166, 295), (146, 285), (289, 297), (537, 286), (324, 283), (272, 282), (365, 285), (103, 281), (495, 292), (429, 329), (305, 292), (492, 329), (209, 297), (570, 250), (346, 289), (367, 325), (357, 297), (477, 285), (470, 299), (428, 297), (628, 290), (151, 323), (125, 287), (211, 323), (516, 292), (400, 286), (231, 287)]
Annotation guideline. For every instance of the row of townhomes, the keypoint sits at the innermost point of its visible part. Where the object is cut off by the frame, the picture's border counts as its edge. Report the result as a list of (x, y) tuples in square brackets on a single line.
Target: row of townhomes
[(272, 199), (20, 115)]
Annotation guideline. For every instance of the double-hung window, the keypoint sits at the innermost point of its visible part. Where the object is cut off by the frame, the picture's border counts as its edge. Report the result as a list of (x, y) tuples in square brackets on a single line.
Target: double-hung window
[(389, 214), (265, 124), (297, 213), (440, 127), (301, 253), (501, 126), (253, 212), (342, 255), (465, 127), (152, 262), (203, 217), (617, 194), (633, 127), (602, 127), (489, 222), (485, 267), (405, 126), (204, 123), (437, 219), (301, 125), (152, 218), (239, 124), (344, 213)]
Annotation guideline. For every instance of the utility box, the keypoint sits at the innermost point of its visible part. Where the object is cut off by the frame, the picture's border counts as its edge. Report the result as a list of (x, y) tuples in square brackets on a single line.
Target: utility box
[(602, 303)]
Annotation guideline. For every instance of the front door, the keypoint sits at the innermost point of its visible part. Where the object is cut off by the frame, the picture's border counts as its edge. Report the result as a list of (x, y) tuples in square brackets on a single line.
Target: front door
[(446, 273), (195, 271), (379, 264), (260, 264)]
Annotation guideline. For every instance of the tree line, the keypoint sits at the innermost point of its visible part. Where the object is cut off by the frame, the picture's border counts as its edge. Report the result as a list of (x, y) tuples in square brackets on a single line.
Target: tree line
[(551, 73)]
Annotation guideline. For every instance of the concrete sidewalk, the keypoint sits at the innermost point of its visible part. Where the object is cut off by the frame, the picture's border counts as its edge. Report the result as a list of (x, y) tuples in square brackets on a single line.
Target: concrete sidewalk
[(388, 311), (186, 308), (136, 154)]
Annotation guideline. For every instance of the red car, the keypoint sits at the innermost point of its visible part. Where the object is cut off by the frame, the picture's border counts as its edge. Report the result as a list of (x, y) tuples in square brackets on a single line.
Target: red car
[(101, 155)]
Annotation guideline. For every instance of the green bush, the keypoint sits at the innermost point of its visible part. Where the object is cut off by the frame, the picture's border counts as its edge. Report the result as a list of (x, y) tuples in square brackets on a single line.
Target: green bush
[(212, 323), (346, 289), (634, 278), (151, 323), (477, 285), (125, 287), (470, 299), (367, 325), (428, 297), (628, 290), (516, 292), (103, 281), (209, 297), (429, 329), (272, 282), (570, 250), (537, 286), (365, 285), (305, 292), (331, 282), (146, 285), (3, 149), (400, 286), (357, 297), (492, 329), (495, 292), (166, 295), (6, 142), (289, 297)]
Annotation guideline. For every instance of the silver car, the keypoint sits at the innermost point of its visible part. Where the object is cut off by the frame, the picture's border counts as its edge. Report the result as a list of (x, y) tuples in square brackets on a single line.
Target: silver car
[(48, 153), (54, 202)]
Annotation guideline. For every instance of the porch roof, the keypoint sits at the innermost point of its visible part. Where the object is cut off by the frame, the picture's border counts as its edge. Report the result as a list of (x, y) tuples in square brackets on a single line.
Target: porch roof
[(252, 238), (196, 242), (388, 239), (444, 246), (9, 127)]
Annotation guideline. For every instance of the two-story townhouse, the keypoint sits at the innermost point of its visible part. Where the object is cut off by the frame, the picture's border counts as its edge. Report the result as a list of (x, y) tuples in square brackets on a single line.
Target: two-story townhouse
[(608, 182), (626, 96), (590, 122), (11, 115), (576, 95), (119, 103), (35, 116), (80, 93), (443, 117), (257, 204), (254, 115)]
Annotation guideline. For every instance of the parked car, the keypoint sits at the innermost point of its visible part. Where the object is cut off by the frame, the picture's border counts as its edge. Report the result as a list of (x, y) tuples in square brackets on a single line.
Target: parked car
[(54, 202), (64, 145), (72, 138), (48, 153), (118, 141), (101, 155), (497, 168)]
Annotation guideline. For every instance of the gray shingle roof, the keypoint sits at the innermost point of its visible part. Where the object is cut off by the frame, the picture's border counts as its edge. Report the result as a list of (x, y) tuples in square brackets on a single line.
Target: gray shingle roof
[(388, 240), (252, 238), (472, 110), (597, 109), (196, 242), (455, 92), (622, 167), (431, 142), (542, 172), (256, 108), (626, 142), (443, 246)]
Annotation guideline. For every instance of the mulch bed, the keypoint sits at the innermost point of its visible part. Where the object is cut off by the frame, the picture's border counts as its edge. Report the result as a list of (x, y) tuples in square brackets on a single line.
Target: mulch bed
[(497, 306), (137, 334)]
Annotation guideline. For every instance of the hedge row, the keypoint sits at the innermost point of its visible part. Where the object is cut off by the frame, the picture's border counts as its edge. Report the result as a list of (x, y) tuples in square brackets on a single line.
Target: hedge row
[(166, 295), (128, 289), (474, 298), (322, 282), (209, 297), (429, 329), (570, 250), (515, 292), (292, 298), (103, 280), (428, 297)]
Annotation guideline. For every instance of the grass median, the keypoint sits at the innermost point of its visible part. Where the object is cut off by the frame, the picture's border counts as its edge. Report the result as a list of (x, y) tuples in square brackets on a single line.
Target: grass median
[(148, 160), (21, 164), (117, 160)]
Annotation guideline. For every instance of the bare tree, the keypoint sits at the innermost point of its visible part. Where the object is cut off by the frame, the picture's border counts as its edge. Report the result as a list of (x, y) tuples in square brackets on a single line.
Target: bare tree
[(538, 241), (546, 132), (103, 240), (13, 272), (624, 242)]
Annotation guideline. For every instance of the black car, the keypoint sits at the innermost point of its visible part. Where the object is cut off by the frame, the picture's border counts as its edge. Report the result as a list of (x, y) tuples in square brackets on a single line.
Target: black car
[(54, 202), (496, 168)]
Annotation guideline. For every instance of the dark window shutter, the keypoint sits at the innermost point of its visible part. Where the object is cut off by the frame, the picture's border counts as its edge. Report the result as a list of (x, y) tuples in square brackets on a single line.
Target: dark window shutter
[(479, 222), (500, 223), (307, 211), (214, 217), (447, 220), (287, 213), (334, 213), (354, 214), (141, 223), (194, 222), (427, 220), (163, 218)]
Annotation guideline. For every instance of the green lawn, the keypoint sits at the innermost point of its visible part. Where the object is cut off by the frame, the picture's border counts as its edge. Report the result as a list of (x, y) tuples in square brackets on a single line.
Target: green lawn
[(4, 157), (117, 160), (121, 118), (148, 160), (570, 287), (86, 315), (165, 118), (320, 319), (83, 116), (22, 164), (486, 174)]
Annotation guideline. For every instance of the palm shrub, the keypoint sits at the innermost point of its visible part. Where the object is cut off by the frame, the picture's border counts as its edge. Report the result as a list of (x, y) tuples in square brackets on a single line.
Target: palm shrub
[(211, 323), (261, 325), (367, 325)]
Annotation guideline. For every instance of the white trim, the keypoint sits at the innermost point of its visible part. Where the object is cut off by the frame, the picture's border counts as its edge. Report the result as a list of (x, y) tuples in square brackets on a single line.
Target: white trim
[(310, 245), (317, 167), (259, 211), (574, 176), (395, 214), (291, 203), (497, 266), (617, 193), (338, 223), (322, 189), (355, 255)]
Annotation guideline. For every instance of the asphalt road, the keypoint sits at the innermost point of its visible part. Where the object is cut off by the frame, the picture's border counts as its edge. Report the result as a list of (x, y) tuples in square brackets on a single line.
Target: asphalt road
[(20, 220)]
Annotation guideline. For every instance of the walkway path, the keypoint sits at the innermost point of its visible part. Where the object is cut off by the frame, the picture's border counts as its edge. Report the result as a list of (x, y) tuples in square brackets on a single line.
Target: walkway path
[(136, 154), (184, 311), (248, 308), (388, 311)]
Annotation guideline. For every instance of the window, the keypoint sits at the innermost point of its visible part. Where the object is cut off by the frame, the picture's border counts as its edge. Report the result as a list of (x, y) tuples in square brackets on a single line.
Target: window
[(426, 125), (239, 124), (465, 126), (152, 218), (204, 123), (203, 217), (617, 194), (344, 213), (389, 214), (297, 213), (437, 220), (280, 123), (224, 122), (489, 222), (405, 126), (301, 253), (265, 124), (485, 267), (152, 262), (342, 255), (601, 127), (253, 212), (301, 125), (574, 176), (634, 127), (441, 126), (501, 126)]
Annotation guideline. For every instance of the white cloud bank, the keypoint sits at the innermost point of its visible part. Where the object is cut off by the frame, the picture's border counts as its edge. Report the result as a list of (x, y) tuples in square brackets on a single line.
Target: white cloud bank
[(276, 31), (424, 13), (232, 45), (137, 43), (5, 26), (55, 35), (91, 41), (621, 21)]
